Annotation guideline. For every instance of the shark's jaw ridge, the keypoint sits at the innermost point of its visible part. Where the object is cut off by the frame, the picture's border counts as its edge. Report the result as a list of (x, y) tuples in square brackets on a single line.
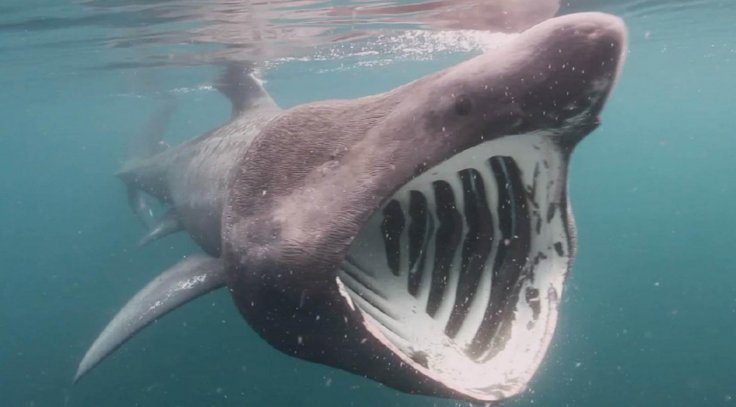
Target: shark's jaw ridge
[(461, 271)]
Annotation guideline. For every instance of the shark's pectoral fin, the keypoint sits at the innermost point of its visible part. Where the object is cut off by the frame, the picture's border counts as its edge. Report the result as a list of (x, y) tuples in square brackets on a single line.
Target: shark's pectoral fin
[(167, 224), (185, 281)]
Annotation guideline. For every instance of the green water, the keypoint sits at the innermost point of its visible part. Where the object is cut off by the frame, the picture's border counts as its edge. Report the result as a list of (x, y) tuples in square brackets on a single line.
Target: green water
[(649, 316)]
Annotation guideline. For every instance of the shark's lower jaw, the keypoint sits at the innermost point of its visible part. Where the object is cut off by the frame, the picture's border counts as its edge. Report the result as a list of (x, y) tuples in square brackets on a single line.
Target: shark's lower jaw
[(461, 272)]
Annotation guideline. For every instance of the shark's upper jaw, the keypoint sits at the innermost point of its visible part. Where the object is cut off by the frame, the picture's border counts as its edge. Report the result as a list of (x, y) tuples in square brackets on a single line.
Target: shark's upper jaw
[(460, 273)]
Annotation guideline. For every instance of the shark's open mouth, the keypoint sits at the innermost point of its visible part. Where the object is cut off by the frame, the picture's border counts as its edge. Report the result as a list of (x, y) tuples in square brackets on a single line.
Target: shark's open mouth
[(461, 271)]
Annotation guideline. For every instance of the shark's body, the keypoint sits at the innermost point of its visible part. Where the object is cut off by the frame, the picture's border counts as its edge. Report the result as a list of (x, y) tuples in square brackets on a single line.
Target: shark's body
[(192, 178), (419, 237)]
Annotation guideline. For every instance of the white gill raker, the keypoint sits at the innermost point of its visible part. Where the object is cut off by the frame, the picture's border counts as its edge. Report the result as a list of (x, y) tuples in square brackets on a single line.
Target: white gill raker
[(380, 313), (362, 283)]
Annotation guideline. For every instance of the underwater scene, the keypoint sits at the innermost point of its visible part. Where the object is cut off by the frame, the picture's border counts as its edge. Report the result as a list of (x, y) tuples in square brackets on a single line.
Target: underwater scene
[(367, 203)]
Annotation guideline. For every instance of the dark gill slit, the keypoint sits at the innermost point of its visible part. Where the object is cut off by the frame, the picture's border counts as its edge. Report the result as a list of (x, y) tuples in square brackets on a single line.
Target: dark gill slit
[(421, 227), (449, 235), (511, 256), (391, 228), (476, 248)]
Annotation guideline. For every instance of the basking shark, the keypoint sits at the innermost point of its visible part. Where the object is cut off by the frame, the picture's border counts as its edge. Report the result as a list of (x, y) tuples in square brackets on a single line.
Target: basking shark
[(419, 237)]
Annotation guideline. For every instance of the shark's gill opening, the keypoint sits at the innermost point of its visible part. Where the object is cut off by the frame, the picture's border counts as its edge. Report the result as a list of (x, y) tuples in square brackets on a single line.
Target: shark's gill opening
[(461, 270)]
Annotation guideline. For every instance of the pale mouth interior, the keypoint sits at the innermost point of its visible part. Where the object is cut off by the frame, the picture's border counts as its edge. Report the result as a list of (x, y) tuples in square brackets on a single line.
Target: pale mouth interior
[(460, 273)]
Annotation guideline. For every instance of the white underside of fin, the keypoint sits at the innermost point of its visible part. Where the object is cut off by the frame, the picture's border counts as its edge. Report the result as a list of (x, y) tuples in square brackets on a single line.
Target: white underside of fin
[(189, 279)]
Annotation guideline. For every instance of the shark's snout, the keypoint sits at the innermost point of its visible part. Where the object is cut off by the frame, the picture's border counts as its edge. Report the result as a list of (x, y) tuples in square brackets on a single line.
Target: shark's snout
[(562, 71), (590, 58)]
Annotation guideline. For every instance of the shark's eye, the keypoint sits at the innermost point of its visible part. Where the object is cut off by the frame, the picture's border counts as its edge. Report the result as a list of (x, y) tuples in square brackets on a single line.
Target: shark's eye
[(463, 106)]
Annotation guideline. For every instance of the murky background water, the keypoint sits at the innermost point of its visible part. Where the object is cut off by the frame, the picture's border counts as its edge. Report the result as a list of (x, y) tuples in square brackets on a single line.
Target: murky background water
[(649, 317)]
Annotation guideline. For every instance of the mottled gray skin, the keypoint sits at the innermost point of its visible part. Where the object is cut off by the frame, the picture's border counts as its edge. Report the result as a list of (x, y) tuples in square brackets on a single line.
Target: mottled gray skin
[(193, 177), (287, 227)]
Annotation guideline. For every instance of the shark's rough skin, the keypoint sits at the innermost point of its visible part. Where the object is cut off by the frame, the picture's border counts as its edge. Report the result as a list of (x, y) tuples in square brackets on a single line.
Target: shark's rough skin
[(419, 237)]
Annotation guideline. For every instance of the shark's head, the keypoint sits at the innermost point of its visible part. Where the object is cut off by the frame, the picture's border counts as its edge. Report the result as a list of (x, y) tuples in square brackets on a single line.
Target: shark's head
[(422, 237)]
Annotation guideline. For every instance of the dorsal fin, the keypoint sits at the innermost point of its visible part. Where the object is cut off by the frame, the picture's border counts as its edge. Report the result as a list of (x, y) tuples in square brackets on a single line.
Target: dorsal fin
[(239, 84), (185, 281)]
